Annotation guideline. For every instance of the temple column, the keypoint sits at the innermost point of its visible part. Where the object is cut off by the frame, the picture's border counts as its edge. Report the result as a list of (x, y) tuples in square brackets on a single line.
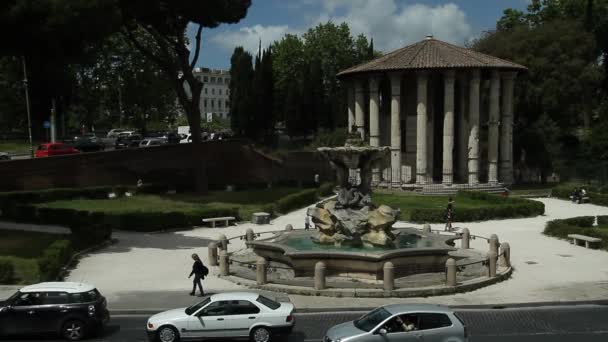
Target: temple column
[(506, 134), (350, 98), (421, 122), (473, 138), (359, 99), (493, 123), (374, 121), (463, 126), (448, 128), (396, 129)]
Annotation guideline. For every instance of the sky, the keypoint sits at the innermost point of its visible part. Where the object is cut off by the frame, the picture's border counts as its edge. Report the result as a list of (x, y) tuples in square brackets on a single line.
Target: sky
[(391, 23)]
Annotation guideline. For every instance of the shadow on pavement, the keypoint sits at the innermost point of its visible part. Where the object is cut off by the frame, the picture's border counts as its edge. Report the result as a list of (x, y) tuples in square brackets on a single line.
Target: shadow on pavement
[(169, 241)]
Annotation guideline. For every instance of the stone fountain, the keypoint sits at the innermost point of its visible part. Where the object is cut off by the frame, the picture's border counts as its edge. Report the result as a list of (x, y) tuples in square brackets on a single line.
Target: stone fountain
[(354, 236), (353, 218)]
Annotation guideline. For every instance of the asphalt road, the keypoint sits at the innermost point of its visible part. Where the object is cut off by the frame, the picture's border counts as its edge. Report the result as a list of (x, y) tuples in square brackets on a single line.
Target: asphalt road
[(548, 324)]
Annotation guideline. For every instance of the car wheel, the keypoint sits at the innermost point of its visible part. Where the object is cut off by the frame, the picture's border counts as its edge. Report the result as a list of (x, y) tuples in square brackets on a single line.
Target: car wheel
[(260, 334), (167, 334), (73, 330)]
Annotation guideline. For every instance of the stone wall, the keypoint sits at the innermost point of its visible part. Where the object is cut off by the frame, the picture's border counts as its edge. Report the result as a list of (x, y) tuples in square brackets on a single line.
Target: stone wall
[(225, 162)]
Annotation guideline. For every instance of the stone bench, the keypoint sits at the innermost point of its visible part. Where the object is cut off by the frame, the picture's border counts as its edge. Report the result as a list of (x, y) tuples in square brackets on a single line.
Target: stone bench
[(588, 239), (213, 220)]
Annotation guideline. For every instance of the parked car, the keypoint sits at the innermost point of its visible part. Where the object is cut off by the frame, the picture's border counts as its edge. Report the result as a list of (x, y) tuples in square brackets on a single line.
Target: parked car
[(73, 310), (151, 142), (90, 136), (5, 156), (172, 138), (86, 145), (188, 138), (224, 315), (113, 133), (127, 140), (54, 149), (402, 322)]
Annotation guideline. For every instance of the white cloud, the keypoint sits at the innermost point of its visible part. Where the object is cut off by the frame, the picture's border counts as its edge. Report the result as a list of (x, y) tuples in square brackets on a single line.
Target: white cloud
[(393, 26), (249, 37), (390, 23)]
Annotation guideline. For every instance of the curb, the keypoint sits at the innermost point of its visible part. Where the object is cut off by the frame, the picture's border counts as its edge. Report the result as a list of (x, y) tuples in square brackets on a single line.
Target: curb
[(360, 309)]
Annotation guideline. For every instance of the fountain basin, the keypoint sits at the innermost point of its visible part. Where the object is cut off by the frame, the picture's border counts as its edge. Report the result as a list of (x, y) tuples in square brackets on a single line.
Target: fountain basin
[(414, 252)]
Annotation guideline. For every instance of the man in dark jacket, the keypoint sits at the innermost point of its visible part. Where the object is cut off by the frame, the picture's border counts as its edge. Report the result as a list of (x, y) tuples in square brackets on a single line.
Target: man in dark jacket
[(199, 271)]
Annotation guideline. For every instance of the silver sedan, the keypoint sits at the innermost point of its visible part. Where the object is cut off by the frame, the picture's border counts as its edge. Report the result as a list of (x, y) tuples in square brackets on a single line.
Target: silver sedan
[(402, 322)]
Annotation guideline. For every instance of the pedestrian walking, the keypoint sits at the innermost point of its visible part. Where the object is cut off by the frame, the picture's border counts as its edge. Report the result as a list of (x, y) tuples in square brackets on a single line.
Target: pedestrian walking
[(306, 222), (449, 215), (199, 271)]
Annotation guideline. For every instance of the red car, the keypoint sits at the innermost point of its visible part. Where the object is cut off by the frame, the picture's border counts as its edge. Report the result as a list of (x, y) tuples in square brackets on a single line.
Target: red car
[(54, 149)]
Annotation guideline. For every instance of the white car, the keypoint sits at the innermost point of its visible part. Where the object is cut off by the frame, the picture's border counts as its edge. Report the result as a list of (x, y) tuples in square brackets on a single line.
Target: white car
[(224, 315), (151, 142)]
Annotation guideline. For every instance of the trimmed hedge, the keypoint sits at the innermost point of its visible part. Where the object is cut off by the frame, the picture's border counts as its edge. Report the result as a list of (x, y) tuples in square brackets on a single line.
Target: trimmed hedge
[(296, 201), (576, 225), (53, 259), (580, 221), (325, 189), (499, 208), (7, 272), (602, 220)]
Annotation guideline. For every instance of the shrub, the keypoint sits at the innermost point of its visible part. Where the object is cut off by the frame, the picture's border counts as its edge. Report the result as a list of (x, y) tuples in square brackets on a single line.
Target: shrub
[(294, 201), (61, 216), (602, 220), (20, 213), (7, 272), (54, 258), (89, 228), (325, 189), (562, 228), (498, 208), (581, 221)]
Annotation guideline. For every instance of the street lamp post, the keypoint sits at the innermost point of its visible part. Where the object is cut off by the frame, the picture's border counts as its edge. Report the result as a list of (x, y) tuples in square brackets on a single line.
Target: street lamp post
[(27, 105)]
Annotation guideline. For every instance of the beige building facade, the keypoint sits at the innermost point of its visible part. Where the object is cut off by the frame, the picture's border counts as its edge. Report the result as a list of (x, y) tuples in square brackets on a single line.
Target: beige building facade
[(445, 111), (215, 96)]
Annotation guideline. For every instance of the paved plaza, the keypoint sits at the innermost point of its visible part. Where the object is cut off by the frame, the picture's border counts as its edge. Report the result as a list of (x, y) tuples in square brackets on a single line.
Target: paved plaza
[(149, 271)]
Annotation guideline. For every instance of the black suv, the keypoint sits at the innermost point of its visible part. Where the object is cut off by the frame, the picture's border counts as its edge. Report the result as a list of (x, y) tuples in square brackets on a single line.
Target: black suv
[(74, 310)]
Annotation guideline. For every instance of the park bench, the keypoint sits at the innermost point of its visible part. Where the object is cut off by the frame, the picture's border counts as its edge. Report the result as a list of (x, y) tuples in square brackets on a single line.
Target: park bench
[(588, 239), (584, 199), (226, 219)]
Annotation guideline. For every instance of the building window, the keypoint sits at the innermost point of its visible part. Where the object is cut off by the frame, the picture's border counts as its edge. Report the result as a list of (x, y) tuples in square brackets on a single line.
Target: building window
[(227, 104), (212, 103), (220, 91), (227, 92), (219, 104), (219, 80), (226, 80), (205, 79), (212, 79), (205, 91), (205, 103), (213, 91)]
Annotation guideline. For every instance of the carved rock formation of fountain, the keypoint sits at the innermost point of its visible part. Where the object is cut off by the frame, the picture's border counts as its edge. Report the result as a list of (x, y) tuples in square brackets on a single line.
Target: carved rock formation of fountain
[(353, 218)]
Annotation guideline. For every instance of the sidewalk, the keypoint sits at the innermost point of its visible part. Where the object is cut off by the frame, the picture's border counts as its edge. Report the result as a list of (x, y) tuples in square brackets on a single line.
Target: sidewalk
[(149, 271)]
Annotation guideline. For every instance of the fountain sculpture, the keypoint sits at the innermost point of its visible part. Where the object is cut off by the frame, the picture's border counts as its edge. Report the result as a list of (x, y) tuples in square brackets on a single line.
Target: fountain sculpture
[(353, 218)]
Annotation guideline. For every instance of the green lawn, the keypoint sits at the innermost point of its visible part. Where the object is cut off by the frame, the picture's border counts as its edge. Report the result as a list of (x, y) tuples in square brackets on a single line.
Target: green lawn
[(407, 202), (16, 147), (247, 202), (24, 249)]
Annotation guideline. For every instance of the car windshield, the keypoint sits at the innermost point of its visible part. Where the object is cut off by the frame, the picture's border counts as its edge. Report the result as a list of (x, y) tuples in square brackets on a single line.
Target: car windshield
[(194, 308), (268, 302), (371, 320), (12, 298)]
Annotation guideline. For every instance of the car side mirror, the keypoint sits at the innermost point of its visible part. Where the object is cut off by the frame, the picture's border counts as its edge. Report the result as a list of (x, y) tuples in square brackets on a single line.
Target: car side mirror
[(382, 332)]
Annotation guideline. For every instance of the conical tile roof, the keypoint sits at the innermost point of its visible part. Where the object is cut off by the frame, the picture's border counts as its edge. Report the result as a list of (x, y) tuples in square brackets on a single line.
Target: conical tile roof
[(432, 54)]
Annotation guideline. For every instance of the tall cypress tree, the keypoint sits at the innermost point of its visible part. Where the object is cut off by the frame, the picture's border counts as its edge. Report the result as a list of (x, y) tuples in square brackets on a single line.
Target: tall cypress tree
[(241, 97)]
